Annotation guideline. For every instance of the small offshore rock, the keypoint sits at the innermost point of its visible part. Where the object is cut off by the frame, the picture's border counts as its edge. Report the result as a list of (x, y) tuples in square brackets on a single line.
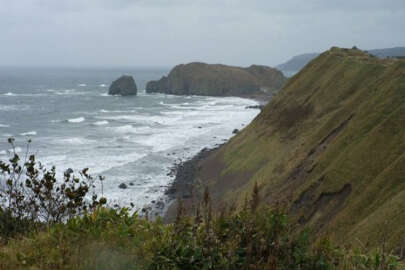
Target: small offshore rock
[(235, 131), (124, 86), (123, 186)]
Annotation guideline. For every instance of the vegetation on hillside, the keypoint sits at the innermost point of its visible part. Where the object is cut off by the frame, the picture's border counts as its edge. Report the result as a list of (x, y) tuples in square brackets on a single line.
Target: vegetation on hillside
[(61, 233), (333, 141)]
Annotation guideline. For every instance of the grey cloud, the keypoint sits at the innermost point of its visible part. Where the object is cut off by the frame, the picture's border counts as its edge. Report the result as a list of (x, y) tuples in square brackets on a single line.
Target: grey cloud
[(158, 32)]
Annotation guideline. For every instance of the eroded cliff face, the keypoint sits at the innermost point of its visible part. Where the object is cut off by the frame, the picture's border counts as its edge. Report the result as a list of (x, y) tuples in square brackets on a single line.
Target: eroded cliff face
[(330, 146), (218, 80)]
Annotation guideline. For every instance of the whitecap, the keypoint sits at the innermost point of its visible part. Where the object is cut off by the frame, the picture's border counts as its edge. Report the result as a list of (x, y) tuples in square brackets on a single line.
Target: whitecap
[(10, 94), (4, 126), (3, 152), (29, 133), (65, 92), (124, 129), (103, 85), (16, 150), (82, 84), (76, 120), (14, 107), (74, 141), (130, 129), (104, 111), (105, 95), (100, 123)]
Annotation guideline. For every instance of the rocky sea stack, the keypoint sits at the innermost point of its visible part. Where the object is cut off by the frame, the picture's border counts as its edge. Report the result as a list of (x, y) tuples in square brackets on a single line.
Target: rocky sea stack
[(124, 86), (218, 80)]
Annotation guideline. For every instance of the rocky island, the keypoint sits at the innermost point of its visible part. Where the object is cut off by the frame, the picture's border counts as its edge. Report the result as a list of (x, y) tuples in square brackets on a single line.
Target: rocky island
[(218, 80), (124, 86)]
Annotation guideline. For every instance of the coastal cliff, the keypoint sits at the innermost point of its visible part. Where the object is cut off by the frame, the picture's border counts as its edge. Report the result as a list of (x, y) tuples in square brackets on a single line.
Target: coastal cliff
[(218, 80), (330, 146)]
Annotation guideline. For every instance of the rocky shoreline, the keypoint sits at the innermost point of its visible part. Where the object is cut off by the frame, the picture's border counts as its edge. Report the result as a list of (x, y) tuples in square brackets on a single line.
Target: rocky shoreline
[(184, 171), (182, 187)]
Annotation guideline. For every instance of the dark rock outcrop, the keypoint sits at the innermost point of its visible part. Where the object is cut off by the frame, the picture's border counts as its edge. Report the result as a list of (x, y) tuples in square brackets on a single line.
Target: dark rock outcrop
[(123, 186), (218, 80), (124, 86)]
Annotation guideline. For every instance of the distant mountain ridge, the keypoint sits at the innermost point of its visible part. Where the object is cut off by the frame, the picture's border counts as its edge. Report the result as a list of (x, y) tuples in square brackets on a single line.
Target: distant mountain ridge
[(296, 63)]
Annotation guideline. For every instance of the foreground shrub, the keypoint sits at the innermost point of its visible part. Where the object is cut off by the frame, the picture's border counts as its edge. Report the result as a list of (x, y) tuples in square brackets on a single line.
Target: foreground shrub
[(32, 196), (111, 239), (73, 231)]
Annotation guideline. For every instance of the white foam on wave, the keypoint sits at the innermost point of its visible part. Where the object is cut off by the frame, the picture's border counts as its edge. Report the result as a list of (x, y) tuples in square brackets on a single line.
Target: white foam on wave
[(65, 92), (117, 111), (105, 95), (14, 107), (4, 126), (29, 133), (100, 123), (74, 141), (130, 129), (76, 120), (82, 84), (145, 119), (11, 94), (82, 160), (11, 151), (103, 85)]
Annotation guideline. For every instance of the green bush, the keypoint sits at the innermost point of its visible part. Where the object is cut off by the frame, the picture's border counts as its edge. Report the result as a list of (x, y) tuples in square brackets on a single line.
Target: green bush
[(73, 237), (32, 196)]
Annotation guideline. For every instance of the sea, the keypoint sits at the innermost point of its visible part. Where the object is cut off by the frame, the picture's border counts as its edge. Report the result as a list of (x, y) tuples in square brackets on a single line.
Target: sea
[(134, 140)]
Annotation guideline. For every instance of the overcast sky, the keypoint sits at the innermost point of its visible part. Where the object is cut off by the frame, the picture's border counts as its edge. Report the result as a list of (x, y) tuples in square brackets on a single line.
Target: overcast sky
[(169, 32)]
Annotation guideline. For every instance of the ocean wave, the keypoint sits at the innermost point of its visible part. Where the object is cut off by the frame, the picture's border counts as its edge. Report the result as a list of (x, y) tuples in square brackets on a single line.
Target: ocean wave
[(124, 129), (74, 141), (100, 123), (82, 84), (14, 107), (105, 95), (76, 120), (29, 133), (65, 92), (144, 119), (11, 94), (130, 129), (4, 126), (11, 150), (103, 85), (118, 111)]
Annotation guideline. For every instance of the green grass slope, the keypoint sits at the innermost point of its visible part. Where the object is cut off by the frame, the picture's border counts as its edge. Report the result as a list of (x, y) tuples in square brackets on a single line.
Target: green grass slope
[(332, 144)]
